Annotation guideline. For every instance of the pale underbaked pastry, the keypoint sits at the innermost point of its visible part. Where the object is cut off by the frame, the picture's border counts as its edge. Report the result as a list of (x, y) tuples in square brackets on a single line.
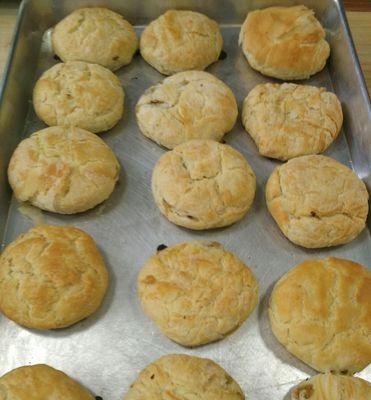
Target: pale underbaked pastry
[(188, 105), (40, 382), (317, 201), (95, 35), (321, 312), (203, 184), (63, 169), (289, 120), (284, 42), (332, 387), (51, 277), (197, 292), (178, 376), (79, 94), (180, 41)]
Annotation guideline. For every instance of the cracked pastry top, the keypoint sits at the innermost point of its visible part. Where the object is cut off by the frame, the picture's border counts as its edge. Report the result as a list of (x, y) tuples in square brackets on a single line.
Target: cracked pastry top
[(289, 120), (332, 387), (321, 312), (51, 277), (181, 40), (179, 376), (63, 169), (203, 184), (188, 105), (76, 93), (317, 201), (284, 42), (197, 292), (40, 382), (95, 35)]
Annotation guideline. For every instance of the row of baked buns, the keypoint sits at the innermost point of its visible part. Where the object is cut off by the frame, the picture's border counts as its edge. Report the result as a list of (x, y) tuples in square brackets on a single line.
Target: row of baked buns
[(196, 292), (173, 374), (200, 184), (283, 42)]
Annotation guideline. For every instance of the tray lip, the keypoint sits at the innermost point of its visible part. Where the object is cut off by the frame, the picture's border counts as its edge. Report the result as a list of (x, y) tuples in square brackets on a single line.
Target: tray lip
[(357, 64), (12, 50)]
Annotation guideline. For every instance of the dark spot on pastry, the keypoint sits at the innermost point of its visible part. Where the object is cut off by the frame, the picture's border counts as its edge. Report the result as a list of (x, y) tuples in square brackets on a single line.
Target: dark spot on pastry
[(149, 280), (161, 247), (223, 55), (223, 141), (156, 102), (191, 217), (153, 376), (56, 58), (313, 214), (303, 392), (344, 372), (115, 58)]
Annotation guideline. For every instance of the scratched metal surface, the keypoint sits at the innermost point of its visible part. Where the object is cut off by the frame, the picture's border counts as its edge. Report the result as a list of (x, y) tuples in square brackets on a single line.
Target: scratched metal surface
[(106, 351)]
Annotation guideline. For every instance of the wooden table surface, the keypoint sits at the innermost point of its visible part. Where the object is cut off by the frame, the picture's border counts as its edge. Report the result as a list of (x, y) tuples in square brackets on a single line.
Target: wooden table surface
[(358, 13)]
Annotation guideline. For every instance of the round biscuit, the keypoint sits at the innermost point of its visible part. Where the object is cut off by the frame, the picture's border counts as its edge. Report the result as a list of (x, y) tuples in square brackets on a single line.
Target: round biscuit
[(63, 169), (76, 93), (197, 292), (95, 35), (331, 387), (51, 277), (188, 105), (186, 376), (317, 201), (181, 40), (203, 184), (284, 42), (40, 382), (288, 120), (321, 312)]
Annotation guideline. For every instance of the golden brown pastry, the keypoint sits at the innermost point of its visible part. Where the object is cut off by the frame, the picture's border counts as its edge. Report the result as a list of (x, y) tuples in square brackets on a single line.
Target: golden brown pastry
[(289, 120), (51, 277), (332, 387), (317, 201), (197, 292), (76, 93), (320, 311), (178, 376), (203, 184), (180, 41), (284, 42), (40, 382), (95, 35), (188, 105), (63, 169)]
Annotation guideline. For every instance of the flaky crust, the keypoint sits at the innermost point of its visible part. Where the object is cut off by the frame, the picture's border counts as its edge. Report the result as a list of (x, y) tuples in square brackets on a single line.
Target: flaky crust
[(178, 376), (291, 120), (63, 169), (40, 382), (51, 277), (188, 105), (332, 387), (181, 40), (317, 201), (79, 94), (197, 292), (284, 42), (321, 312), (95, 35), (202, 184)]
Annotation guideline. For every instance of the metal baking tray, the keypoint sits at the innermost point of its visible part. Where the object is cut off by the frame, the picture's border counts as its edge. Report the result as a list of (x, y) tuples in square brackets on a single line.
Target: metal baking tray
[(106, 351)]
